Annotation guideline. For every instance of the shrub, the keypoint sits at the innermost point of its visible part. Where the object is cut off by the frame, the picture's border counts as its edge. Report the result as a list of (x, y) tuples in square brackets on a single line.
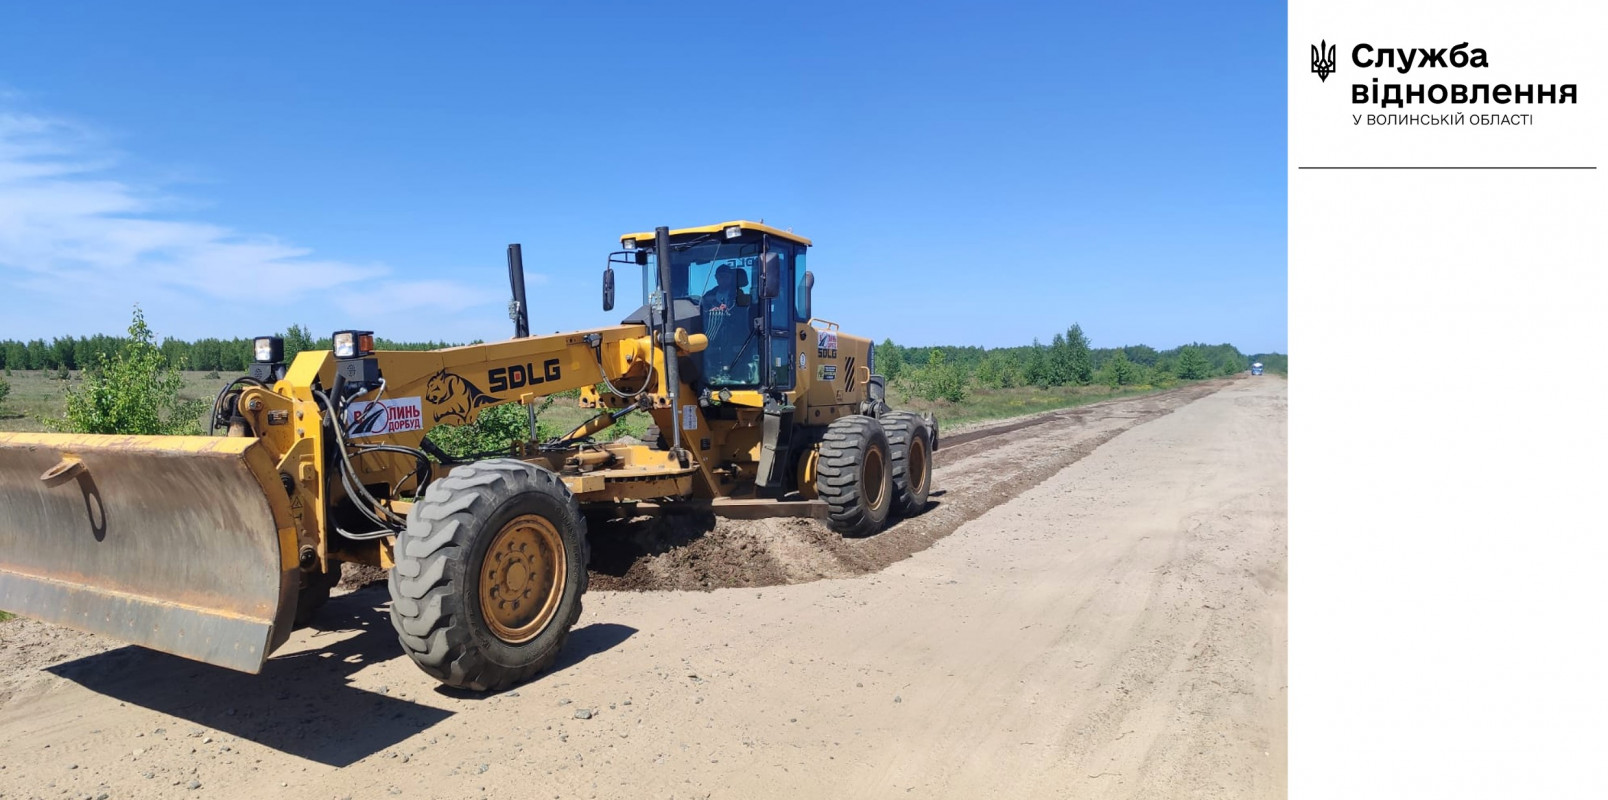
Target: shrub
[(1119, 371), (297, 339), (5, 389), (632, 425), (134, 391), (493, 431), (1192, 364), (889, 359), (938, 380), (991, 373), (1160, 374)]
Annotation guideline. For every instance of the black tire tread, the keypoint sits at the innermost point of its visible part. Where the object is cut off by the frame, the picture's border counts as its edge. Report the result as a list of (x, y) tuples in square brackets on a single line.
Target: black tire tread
[(837, 474), (427, 606), (903, 427)]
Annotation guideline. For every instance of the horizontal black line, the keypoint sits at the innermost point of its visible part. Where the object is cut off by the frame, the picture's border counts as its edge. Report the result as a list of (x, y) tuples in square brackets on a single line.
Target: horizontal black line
[(1445, 167)]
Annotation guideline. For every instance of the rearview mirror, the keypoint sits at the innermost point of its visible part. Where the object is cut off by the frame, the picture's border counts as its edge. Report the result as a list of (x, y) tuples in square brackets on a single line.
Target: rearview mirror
[(770, 275), (804, 300), (608, 288)]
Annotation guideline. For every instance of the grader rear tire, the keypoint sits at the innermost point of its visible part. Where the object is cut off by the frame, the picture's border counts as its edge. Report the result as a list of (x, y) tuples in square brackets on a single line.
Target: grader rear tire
[(910, 447), (853, 475), (489, 574)]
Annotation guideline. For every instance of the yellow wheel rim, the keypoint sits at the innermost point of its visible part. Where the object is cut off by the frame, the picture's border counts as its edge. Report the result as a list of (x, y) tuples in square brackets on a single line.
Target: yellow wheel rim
[(522, 578), (916, 464), (806, 474), (875, 468)]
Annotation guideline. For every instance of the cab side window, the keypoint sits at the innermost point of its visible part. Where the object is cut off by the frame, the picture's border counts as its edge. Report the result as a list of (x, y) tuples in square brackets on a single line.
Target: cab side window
[(801, 296)]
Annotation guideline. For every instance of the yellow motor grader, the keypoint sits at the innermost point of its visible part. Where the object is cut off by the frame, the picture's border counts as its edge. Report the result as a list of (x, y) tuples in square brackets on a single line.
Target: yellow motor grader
[(215, 547)]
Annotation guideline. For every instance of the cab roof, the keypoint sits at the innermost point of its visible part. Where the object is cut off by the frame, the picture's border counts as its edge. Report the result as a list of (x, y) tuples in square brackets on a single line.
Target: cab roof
[(720, 226)]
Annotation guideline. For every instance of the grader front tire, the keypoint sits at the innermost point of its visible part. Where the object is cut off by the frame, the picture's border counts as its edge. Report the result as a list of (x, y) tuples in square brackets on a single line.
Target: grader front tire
[(853, 474), (489, 574)]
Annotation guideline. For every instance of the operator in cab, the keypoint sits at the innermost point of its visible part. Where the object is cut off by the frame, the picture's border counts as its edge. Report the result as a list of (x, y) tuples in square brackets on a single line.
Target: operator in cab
[(727, 320)]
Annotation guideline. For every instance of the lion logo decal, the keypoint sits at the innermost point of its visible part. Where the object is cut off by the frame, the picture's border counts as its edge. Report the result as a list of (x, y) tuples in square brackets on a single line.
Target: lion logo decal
[(454, 397)]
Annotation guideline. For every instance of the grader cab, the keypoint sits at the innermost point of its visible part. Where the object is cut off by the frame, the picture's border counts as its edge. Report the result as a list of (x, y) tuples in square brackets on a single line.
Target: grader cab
[(215, 547)]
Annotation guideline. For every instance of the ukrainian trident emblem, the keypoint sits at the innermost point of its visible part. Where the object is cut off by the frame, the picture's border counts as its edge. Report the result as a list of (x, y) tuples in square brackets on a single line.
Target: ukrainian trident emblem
[(1323, 59)]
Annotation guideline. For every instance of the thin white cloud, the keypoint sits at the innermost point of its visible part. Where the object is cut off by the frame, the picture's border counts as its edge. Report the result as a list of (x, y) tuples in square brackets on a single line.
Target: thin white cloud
[(81, 246), (434, 295)]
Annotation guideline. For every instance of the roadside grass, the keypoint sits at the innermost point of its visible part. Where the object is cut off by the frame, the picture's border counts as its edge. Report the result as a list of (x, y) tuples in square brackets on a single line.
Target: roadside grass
[(982, 404), (6, 616), (37, 395)]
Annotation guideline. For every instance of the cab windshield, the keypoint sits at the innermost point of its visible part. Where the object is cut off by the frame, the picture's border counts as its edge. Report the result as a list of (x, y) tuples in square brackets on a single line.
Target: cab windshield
[(718, 276)]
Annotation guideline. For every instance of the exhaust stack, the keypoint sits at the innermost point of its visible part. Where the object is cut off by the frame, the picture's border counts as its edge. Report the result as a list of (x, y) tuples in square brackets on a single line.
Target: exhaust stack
[(517, 310)]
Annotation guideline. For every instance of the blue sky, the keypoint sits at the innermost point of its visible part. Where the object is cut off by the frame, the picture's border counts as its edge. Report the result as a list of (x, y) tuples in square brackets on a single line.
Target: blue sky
[(970, 173)]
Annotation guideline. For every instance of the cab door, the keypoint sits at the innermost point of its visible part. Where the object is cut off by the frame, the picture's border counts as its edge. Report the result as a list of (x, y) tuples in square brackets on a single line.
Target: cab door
[(779, 352)]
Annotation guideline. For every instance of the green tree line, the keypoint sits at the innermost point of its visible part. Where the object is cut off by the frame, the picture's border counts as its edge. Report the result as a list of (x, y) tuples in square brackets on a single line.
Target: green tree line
[(947, 372), (940, 372), (220, 355)]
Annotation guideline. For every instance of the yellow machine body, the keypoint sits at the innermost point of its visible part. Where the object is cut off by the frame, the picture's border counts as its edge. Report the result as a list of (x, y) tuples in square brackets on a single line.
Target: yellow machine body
[(197, 545)]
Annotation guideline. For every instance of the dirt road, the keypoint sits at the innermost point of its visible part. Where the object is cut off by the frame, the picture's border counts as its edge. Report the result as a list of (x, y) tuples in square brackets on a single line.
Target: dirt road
[(1094, 608)]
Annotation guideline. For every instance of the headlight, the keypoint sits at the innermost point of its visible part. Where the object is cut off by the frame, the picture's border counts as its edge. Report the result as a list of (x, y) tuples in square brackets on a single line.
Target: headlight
[(268, 349), (353, 344)]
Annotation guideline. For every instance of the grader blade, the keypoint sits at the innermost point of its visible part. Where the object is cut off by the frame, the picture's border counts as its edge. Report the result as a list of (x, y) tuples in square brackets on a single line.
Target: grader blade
[(183, 544)]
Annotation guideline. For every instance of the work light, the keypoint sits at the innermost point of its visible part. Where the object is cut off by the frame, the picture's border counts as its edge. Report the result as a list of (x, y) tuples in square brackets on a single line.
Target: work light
[(629, 244), (733, 231), (268, 349), (353, 344)]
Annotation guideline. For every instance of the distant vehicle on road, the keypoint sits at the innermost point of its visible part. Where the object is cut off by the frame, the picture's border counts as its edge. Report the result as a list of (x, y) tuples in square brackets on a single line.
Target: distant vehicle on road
[(1256, 368)]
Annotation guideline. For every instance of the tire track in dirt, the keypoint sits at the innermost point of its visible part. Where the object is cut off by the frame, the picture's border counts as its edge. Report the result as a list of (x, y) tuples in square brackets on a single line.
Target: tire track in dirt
[(974, 471)]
